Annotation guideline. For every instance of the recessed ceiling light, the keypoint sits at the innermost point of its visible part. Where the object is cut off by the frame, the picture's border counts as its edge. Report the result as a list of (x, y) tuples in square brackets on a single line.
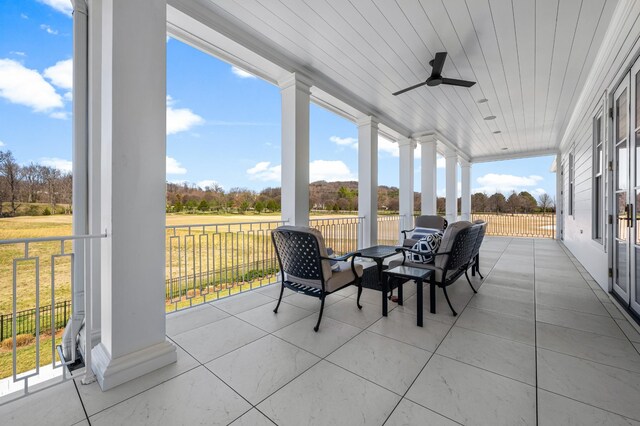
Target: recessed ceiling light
[(483, 100), (490, 117), (497, 132), (505, 148)]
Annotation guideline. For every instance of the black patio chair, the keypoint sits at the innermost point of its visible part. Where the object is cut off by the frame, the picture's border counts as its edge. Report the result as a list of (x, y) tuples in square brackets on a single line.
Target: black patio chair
[(306, 267), (425, 221), (451, 260), (474, 264)]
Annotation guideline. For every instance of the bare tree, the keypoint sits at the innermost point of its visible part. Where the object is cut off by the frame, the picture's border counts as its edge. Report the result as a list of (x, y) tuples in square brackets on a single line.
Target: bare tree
[(11, 175), (545, 201)]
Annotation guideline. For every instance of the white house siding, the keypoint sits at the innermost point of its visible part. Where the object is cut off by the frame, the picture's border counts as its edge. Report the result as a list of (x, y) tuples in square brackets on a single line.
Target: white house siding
[(620, 47)]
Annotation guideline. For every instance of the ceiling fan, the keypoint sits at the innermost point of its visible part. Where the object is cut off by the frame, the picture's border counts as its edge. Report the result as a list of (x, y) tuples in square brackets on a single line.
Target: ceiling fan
[(436, 79)]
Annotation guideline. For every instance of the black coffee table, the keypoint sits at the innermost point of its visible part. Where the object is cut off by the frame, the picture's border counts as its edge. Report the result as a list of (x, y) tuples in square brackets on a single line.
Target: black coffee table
[(419, 275), (378, 254)]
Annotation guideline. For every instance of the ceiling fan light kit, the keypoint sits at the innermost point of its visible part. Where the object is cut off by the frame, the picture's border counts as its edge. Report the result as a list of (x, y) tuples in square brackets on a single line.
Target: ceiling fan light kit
[(436, 78)]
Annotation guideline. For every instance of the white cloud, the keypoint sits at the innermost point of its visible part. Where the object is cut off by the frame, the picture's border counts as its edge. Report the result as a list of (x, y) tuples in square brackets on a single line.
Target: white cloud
[(17, 53), (492, 182), (180, 119), (350, 142), (329, 170), (241, 73), (24, 86), (60, 115), (538, 192), (264, 171), (63, 6), (61, 74), (174, 167), (2, 144), (441, 162), (48, 29), (57, 163), (208, 183), (24, 16)]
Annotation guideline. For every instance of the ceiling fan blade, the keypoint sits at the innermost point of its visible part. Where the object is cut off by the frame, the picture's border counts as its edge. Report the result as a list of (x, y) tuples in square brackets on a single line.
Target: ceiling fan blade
[(454, 82), (438, 63), (399, 92)]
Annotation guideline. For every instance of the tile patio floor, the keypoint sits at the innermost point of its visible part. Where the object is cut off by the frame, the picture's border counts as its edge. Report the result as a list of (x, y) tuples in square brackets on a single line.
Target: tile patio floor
[(539, 344)]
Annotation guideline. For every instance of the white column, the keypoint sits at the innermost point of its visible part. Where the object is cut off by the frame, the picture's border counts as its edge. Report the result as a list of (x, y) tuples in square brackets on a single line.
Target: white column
[(295, 149), (428, 175), (452, 185), (407, 147), (368, 179), (465, 189), (133, 154)]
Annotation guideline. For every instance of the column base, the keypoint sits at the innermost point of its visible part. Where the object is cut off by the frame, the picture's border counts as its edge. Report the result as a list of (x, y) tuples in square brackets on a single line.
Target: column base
[(113, 372)]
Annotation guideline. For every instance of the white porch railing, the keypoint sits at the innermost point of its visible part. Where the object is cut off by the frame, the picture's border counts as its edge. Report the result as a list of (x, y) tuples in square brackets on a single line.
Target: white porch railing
[(342, 234), (389, 227), (209, 261), (39, 273)]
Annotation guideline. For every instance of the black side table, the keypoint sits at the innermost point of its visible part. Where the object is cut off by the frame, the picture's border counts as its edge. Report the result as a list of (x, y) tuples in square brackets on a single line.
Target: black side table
[(419, 275)]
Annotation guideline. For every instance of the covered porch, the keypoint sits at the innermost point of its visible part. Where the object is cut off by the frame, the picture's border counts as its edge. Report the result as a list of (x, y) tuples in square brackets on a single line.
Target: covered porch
[(540, 343)]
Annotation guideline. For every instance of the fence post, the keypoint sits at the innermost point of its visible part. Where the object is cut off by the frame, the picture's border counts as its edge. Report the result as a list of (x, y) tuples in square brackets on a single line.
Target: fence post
[(1, 327)]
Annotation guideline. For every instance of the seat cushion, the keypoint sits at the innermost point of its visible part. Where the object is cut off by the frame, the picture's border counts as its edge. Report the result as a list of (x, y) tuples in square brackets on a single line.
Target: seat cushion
[(343, 277), (427, 245)]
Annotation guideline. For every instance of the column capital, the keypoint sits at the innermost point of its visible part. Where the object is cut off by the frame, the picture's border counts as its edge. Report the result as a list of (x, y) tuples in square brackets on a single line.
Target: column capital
[(296, 79), (367, 120), (449, 152), (464, 162), (404, 141), (427, 139)]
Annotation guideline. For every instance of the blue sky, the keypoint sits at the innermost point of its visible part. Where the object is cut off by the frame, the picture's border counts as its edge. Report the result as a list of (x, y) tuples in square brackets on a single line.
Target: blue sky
[(223, 124)]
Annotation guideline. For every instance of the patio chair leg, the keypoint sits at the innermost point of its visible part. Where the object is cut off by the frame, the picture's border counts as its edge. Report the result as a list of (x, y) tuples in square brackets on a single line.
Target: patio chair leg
[(359, 293), (477, 267), (279, 299), (317, 327), (469, 281), (444, 289)]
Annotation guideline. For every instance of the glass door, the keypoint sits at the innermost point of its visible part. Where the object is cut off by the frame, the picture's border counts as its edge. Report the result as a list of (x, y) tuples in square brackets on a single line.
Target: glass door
[(634, 121), (623, 209)]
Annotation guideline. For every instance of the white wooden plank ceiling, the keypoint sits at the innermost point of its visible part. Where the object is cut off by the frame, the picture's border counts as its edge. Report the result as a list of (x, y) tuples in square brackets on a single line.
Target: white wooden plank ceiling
[(530, 59)]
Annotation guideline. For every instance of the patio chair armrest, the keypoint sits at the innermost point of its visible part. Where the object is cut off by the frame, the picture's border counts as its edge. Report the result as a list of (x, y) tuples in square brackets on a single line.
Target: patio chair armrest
[(404, 232), (345, 257)]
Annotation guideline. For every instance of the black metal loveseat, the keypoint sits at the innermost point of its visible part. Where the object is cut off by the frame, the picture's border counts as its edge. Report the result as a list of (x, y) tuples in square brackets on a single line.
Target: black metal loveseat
[(455, 255)]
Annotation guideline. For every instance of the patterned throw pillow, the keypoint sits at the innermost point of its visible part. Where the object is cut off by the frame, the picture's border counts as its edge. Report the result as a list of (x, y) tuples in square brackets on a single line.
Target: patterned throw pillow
[(428, 245), (420, 233)]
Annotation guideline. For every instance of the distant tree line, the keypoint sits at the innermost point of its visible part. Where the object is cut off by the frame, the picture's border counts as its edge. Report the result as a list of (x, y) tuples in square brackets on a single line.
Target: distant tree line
[(333, 196), (36, 189), (21, 187)]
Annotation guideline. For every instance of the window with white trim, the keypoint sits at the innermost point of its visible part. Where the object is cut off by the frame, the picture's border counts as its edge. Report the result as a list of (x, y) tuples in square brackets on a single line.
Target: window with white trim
[(598, 180), (571, 184)]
